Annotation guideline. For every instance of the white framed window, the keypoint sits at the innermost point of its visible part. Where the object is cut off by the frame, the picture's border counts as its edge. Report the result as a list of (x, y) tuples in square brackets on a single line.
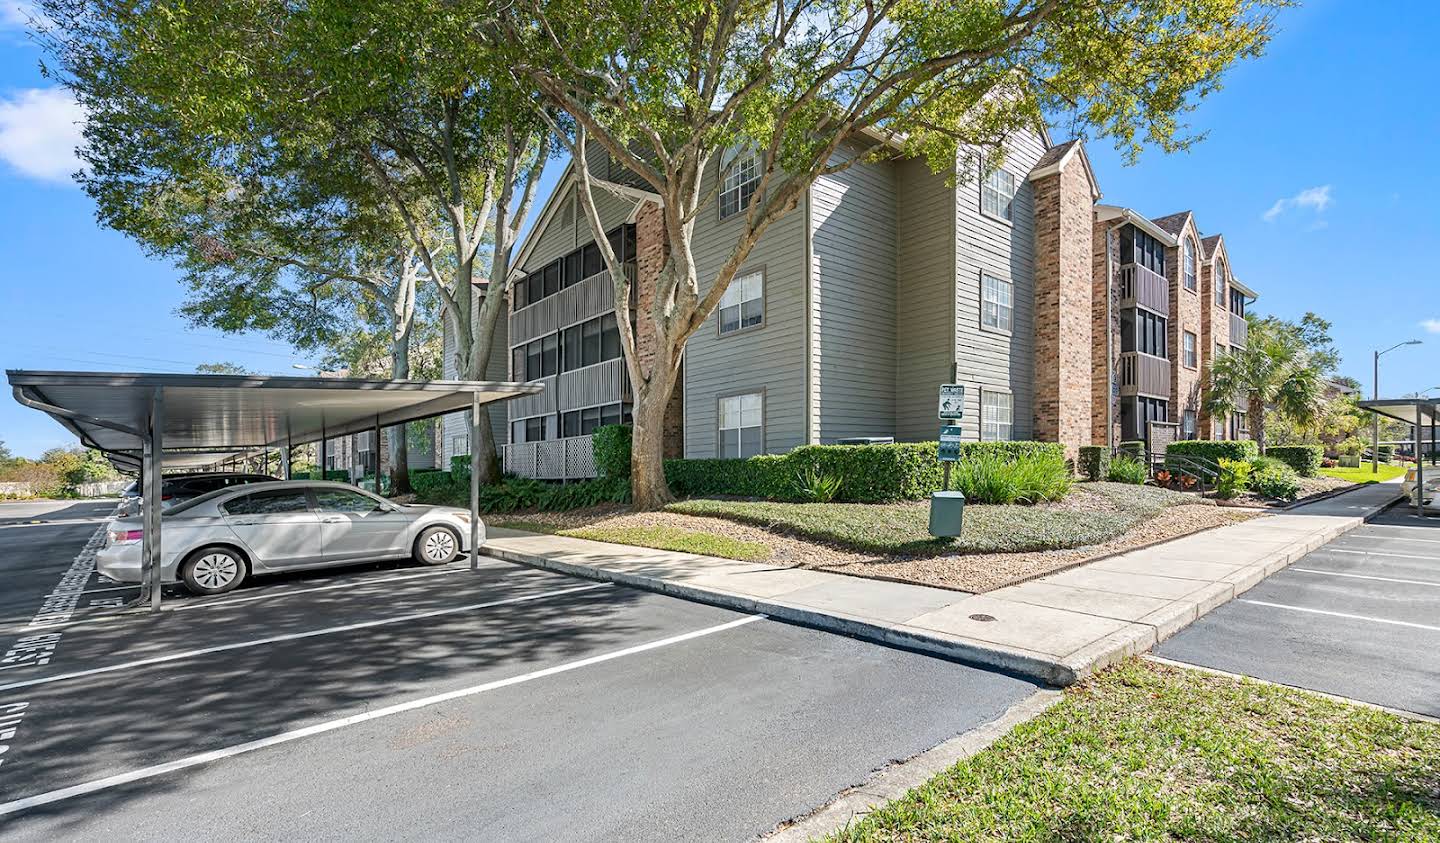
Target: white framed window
[(1220, 282), (739, 176), (997, 194), (997, 303), (1187, 424), (742, 425), (1189, 264), (460, 444), (997, 416), (743, 305), (1189, 350)]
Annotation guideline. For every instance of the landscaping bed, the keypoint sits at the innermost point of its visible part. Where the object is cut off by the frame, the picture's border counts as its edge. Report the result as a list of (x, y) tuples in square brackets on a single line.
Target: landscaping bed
[(1002, 544), (1310, 488), (1152, 752)]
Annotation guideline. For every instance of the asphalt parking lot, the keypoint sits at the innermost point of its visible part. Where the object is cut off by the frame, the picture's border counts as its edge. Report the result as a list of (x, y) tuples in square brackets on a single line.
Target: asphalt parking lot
[(1360, 617), (399, 702)]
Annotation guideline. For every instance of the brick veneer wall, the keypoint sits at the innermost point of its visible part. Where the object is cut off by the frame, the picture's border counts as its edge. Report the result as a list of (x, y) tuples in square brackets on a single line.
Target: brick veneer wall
[(1063, 308), (1214, 327), (1104, 323), (1186, 308), (649, 257)]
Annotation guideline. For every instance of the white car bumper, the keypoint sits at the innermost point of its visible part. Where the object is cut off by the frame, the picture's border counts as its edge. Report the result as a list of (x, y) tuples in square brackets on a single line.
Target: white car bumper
[(122, 563)]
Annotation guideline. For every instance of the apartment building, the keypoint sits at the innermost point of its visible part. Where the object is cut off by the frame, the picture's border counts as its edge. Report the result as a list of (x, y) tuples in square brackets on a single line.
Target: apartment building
[(1066, 319)]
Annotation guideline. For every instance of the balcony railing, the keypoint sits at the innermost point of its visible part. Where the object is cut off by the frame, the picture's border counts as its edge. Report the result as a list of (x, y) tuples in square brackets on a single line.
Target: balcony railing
[(571, 458), (1145, 287), (1239, 330), (1144, 374), (590, 298)]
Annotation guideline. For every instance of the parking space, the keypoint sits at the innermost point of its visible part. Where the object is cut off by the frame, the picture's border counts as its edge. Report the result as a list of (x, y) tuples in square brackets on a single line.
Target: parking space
[(406, 702), (1360, 617)]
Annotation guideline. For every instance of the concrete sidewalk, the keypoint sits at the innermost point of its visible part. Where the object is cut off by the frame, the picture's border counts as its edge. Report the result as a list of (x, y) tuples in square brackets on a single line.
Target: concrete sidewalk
[(1058, 628)]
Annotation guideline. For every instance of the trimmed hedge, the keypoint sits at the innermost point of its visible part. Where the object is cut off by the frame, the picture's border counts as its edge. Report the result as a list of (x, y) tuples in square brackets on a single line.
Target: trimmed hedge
[(432, 485), (1133, 447), (1215, 450), (1094, 461), (1387, 453), (868, 473), (1305, 459), (611, 446)]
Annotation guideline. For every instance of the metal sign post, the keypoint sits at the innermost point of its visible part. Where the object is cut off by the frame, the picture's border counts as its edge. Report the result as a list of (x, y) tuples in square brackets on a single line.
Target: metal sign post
[(951, 410)]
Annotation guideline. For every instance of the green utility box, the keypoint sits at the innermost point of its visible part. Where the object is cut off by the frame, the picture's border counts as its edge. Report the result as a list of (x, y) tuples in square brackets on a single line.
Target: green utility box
[(947, 514)]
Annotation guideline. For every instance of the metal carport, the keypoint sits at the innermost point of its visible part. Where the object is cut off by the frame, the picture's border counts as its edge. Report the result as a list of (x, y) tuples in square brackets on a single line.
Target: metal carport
[(146, 421), (1420, 412)]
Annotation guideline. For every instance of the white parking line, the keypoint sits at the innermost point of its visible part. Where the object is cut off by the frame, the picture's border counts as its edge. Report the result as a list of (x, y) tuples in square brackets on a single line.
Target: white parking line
[(1337, 614), (111, 588), (187, 654), (1387, 555), (1384, 537), (1366, 577), (352, 720)]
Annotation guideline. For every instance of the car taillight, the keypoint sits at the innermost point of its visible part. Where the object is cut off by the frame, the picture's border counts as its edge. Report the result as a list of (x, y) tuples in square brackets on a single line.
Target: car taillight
[(125, 536), (167, 497)]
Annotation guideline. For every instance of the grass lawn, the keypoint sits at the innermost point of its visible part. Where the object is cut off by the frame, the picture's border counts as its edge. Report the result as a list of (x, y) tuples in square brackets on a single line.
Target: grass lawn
[(659, 537), (1094, 513), (1363, 474), (1150, 752)]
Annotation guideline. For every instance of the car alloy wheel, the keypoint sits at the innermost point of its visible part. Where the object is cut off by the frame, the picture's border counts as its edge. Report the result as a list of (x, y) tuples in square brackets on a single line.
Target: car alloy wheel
[(216, 571), (439, 546)]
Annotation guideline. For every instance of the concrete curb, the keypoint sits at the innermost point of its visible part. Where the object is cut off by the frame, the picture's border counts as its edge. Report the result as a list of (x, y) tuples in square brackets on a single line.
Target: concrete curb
[(1135, 638), (896, 780)]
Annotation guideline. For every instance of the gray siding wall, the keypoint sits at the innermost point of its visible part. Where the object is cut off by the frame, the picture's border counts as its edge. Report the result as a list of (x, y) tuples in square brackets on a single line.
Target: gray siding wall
[(986, 359), (769, 358), (853, 310), (925, 307)]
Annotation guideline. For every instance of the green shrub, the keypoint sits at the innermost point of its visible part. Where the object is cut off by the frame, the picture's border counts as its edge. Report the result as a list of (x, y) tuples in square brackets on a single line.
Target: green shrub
[(1266, 461), (1133, 447), (1275, 480), (1094, 461), (1387, 453), (997, 478), (1234, 478), (611, 446), (1127, 469), (1351, 446), (432, 486), (814, 486), (1305, 459), (868, 473), (1214, 450)]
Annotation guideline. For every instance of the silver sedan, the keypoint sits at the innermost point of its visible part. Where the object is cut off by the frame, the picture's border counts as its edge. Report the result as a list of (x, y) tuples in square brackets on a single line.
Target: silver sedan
[(214, 542)]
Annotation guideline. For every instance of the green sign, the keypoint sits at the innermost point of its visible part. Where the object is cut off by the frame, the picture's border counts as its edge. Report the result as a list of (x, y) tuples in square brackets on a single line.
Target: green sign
[(949, 444)]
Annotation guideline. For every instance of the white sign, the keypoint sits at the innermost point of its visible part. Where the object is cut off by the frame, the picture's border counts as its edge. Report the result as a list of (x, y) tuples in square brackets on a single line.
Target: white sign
[(952, 400)]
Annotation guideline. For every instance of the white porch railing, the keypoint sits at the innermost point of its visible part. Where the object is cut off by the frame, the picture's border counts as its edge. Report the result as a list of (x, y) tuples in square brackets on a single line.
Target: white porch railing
[(571, 458)]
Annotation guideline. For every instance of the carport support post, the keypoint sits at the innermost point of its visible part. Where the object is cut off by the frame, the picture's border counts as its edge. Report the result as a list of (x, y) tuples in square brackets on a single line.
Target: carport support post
[(1419, 460), (474, 482), (150, 537), (285, 460)]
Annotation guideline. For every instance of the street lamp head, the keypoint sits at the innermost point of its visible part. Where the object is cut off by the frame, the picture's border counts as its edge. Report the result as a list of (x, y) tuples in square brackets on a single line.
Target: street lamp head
[(1413, 342)]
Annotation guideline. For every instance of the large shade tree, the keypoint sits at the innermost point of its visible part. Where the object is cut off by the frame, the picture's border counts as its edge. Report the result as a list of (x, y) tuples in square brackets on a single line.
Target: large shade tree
[(391, 96), (1276, 370), (667, 87)]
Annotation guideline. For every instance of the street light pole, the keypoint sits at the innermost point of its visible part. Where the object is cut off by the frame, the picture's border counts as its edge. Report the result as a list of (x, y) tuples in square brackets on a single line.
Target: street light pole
[(1375, 417)]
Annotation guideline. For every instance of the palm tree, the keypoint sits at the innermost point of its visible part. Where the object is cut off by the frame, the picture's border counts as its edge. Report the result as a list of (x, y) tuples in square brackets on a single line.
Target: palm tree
[(1275, 369)]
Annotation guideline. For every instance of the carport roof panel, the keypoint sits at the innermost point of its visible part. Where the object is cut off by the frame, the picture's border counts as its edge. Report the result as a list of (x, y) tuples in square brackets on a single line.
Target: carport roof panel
[(1403, 409), (239, 412)]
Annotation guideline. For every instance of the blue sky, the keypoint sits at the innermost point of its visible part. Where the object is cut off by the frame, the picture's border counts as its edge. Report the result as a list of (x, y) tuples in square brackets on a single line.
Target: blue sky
[(1318, 167)]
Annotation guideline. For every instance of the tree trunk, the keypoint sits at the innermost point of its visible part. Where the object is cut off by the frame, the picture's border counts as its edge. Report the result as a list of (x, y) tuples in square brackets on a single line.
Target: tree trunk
[(647, 448), (1257, 422)]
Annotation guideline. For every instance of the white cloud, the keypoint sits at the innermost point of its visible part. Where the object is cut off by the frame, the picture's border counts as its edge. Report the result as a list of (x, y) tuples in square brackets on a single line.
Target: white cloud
[(1431, 325), (15, 14), (1316, 199), (39, 130)]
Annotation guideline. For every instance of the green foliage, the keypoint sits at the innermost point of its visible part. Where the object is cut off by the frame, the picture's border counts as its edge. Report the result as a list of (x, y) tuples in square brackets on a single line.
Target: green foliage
[(512, 493), (997, 478), (868, 473), (1214, 450), (1274, 480), (1094, 462), (1234, 478), (1277, 370), (1134, 447), (1304, 459), (815, 486), (663, 537), (1387, 452), (432, 486), (611, 446), (1353, 446), (221, 368), (1127, 469)]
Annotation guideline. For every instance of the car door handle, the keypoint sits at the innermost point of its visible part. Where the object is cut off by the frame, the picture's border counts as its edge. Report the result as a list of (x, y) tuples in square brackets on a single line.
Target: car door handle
[(243, 522), (335, 519)]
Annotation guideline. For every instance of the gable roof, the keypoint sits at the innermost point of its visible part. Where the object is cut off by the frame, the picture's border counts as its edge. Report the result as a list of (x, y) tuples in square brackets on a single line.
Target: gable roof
[(1209, 245), (1173, 223), (1058, 157)]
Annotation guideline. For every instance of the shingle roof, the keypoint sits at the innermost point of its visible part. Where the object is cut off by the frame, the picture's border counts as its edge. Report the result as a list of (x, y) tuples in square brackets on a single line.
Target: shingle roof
[(1054, 154), (1174, 223), (1207, 246)]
